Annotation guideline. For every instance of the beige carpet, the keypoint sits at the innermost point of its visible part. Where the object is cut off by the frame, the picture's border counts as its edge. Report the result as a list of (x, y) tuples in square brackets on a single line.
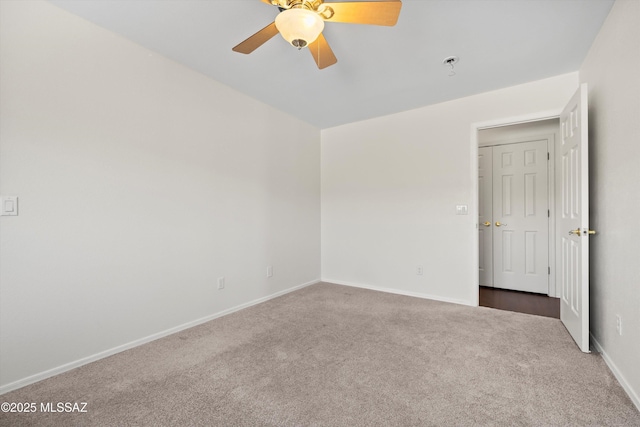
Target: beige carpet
[(340, 356)]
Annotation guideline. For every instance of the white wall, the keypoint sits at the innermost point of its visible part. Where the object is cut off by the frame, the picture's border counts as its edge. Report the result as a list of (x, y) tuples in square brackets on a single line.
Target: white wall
[(140, 182), (390, 187), (612, 71)]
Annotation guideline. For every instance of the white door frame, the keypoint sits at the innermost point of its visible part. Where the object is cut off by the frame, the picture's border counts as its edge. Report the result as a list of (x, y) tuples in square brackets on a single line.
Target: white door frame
[(475, 127)]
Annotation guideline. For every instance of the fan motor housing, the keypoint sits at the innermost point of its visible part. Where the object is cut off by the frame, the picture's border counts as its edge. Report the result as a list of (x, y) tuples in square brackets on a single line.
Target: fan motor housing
[(290, 4)]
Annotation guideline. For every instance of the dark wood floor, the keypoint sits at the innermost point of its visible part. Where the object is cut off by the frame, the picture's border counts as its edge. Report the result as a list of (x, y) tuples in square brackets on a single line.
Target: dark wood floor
[(521, 302)]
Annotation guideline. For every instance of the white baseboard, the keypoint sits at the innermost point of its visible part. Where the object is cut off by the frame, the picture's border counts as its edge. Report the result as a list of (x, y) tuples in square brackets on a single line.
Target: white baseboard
[(616, 372), (401, 292), (85, 360)]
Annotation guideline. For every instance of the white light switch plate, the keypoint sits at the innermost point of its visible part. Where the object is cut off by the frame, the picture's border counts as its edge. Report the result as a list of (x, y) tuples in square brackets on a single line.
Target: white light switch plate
[(462, 210), (8, 205)]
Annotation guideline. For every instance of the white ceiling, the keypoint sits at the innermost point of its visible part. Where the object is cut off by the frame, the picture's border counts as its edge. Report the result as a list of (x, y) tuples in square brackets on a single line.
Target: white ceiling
[(380, 70)]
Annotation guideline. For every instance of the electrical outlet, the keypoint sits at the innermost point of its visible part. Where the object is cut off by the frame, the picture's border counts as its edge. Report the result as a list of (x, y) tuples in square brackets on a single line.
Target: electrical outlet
[(419, 270), (269, 271), (221, 282), (8, 205), (619, 324)]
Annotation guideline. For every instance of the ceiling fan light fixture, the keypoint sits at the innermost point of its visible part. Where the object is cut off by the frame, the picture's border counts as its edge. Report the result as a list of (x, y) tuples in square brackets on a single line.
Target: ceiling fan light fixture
[(300, 27)]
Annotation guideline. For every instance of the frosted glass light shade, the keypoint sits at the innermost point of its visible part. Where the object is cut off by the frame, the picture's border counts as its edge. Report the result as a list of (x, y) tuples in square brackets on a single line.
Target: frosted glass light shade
[(300, 27)]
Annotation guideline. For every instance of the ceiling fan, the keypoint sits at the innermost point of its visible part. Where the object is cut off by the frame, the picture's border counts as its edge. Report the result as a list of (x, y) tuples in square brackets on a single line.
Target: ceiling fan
[(301, 22)]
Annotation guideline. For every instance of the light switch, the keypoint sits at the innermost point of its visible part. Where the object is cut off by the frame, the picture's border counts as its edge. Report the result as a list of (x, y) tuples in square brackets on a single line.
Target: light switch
[(9, 205), (462, 210)]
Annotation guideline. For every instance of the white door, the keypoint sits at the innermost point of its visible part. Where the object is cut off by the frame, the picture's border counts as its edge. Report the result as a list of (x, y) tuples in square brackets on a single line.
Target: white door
[(521, 217), (573, 224), (485, 214)]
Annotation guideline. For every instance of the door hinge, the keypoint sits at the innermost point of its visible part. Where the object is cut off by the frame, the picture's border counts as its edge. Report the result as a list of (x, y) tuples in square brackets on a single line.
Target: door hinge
[(548, 156), (548, 213), (549, 270)]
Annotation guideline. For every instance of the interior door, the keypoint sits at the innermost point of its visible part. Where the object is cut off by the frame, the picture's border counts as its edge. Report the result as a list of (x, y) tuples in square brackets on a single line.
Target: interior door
[(521, 217), (485, 215), (573, 224)]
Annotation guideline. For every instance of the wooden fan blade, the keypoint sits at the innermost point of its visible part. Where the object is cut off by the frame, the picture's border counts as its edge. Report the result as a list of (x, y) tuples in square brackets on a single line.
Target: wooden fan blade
[(365, 12), (267, 2), (322, 53), (257, 40)]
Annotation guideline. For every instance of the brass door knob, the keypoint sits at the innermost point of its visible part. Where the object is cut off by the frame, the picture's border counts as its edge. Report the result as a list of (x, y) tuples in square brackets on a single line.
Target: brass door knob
[(487, 224), (499, 224), (576, 232), (591, 232)]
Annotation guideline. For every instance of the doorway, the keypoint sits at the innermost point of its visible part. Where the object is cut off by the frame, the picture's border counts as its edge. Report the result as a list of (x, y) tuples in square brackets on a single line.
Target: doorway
[(516, 174), (572, 164)]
